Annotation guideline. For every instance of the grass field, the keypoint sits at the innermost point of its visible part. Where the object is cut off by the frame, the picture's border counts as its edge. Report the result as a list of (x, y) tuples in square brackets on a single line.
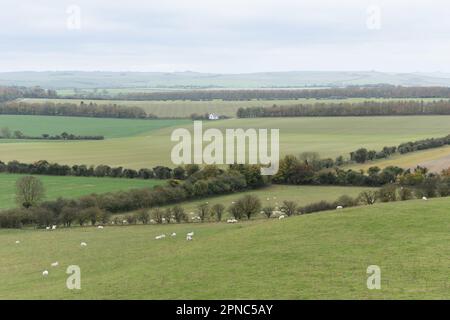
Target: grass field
[(69, 187), (323, 255), (184, 108), (329, 136), (274, 195), (109, 128)]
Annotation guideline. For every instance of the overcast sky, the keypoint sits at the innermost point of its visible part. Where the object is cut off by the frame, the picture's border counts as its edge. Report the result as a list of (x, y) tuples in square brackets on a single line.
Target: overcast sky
[(226, 36)]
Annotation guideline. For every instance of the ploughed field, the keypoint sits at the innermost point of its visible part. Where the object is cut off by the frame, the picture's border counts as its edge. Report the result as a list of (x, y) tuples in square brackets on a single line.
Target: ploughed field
[(146, 143), (323, 255)]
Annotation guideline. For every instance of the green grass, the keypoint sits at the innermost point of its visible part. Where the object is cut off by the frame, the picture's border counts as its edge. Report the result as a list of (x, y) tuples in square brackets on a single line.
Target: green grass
[(69, 187), (274, 195), (109, 128), (329, 136), (184, 108), (323, 255)]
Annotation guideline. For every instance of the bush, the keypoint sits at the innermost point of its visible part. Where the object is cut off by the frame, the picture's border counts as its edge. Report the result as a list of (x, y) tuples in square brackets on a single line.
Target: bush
[(289, 208), (405, 194), (388, 193), (346, 201), (217, 210), (317, 206), (368, 197)]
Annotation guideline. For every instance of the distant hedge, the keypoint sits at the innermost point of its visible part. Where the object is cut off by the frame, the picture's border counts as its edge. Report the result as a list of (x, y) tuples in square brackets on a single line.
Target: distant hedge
[(74, 110), (367, 108)]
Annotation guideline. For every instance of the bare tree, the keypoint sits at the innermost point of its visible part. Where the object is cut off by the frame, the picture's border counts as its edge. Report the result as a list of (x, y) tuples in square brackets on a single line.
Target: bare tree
[(29, 191)]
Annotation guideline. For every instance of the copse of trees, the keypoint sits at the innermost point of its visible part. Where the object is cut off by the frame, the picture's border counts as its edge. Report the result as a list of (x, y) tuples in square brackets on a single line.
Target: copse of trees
[(344, 109), (293, 170), (12, 93), (74, 110)]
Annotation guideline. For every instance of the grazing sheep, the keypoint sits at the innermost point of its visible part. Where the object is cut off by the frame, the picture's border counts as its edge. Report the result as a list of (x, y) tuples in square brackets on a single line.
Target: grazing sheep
[(55, 264), (17, 241), (173, 234), (47, 228), (53, 227), (424, 198), (190, 234), (100, 227), (232, 221), (339, 207), (83, 244), (161, 236), (45, 273), (188, 238), (281, 217)]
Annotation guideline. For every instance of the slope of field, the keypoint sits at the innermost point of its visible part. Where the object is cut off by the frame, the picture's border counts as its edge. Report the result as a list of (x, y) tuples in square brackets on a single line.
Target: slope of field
[(434, 159), (184, 108), (323, 255), (69, 187), (274, 195), (329, 136), (109, 128)]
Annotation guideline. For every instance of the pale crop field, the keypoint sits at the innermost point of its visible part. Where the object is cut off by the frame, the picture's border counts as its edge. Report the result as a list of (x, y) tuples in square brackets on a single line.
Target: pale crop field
[(317, 256), (328, 136)]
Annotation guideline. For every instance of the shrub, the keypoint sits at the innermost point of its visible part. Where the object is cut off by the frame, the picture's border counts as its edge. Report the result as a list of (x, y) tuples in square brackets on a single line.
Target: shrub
[(289, 208), (217, 210)]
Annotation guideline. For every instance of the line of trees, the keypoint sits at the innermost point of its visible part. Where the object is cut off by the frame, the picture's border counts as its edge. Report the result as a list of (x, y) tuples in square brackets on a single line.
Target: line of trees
[(92, 110), (345, 109), (6, 133), (44, 167), (377, 91), (362, 154)]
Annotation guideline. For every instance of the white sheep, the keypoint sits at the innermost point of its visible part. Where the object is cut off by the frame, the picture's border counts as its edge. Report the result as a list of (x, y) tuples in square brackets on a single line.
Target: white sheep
[(55, 264), (83, 244), (281, 217), (232, 221), (53, 227), (161, 236), (191, 234), (45, 273), (100, 227), (339, 207), (424, 198), (173, 234), (17, 241), (47, 228), (188, 238)]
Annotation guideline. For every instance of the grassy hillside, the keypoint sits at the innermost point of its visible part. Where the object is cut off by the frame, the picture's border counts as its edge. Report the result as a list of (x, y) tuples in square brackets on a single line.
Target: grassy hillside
[(181, 108), (322, 255), (69, 187), (274, 195), (109, 128), (329, 136)]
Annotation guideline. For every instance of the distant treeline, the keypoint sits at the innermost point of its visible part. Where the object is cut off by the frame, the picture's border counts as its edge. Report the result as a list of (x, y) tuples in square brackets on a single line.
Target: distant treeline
[(366, 108), (74, 110), (12, 93), (380, 91), (5, 133)]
